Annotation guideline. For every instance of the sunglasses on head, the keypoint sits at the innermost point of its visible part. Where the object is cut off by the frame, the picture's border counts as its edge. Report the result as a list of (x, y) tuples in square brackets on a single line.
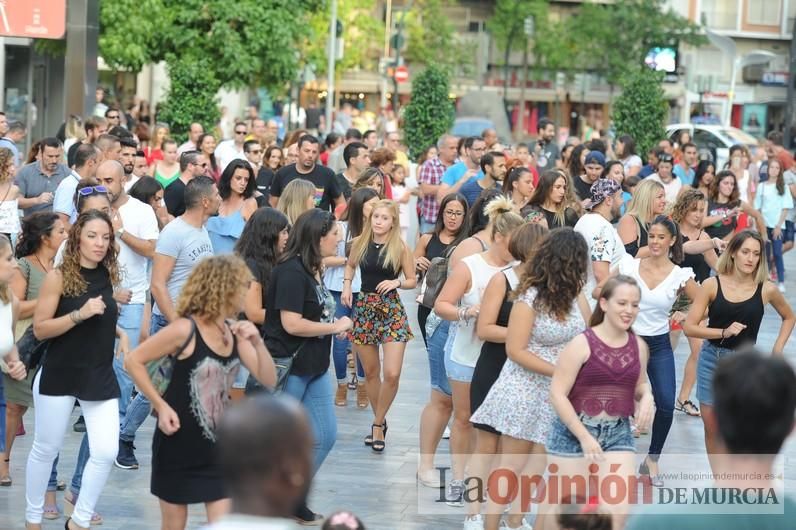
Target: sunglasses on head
[(91, 190)]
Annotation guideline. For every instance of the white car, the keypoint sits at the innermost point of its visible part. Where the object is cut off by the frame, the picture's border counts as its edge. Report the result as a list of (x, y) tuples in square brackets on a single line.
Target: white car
[(713, 141)]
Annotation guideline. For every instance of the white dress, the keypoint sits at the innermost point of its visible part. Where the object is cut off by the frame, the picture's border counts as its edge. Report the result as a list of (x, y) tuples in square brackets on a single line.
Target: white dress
[(518, 404)]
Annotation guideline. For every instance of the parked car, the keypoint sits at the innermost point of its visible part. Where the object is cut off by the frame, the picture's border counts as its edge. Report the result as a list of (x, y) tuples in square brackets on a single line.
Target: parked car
[(713, 141)]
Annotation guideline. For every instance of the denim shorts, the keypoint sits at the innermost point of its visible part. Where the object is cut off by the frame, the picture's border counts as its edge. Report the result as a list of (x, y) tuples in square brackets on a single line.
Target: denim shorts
[(456, 372), (436, 358), (612, 435), (789, 232), (708, 358)]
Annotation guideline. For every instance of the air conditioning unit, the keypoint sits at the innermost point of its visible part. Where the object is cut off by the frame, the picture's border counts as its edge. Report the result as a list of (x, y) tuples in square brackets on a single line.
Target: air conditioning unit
[(753, 73)]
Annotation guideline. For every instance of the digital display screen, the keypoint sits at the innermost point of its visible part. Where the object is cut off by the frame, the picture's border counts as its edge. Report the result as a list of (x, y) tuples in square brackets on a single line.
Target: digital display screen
[(662, 59)]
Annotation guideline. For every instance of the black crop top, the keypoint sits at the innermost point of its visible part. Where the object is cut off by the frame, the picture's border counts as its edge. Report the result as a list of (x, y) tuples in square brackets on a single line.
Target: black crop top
[(373, 270), (722, 313)]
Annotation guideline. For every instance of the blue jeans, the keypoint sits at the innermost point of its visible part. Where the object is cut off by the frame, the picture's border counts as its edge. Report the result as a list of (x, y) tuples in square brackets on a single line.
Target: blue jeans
[(130, 316), (139, 407), (436, 359), (82, 459), (426, 227), (341, 347), (660, 370), (775, 246), (612, 435), (316, 394)]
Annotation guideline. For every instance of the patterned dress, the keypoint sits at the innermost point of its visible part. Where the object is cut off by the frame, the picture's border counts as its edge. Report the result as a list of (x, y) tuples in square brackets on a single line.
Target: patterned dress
[(518, 405)]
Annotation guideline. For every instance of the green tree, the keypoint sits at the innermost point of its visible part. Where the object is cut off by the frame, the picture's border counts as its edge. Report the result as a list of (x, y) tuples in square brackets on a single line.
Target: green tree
[(432, 39), (191, 96), (641, 109), (430, 113)]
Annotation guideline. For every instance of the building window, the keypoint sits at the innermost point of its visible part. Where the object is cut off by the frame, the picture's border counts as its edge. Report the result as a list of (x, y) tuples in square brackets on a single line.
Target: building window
[(763, 12), (721, 14)]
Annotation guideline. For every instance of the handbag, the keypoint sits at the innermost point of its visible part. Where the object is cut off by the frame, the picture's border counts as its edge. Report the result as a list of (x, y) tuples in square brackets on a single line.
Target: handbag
[(31, 350), (161, 370), (283, 365)]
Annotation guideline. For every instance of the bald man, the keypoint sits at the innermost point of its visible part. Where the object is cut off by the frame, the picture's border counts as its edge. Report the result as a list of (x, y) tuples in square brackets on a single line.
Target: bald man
[(137, 233), (264, 452)]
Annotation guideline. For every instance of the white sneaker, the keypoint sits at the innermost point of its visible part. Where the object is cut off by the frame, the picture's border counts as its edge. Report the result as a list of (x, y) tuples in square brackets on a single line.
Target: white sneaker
[(781, 287), (475, 522), (523, 526), (446, 434)]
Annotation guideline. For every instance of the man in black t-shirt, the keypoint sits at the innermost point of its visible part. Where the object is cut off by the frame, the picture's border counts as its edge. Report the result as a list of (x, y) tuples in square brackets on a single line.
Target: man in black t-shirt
[(594, 165), (192, 164), (327, 194)]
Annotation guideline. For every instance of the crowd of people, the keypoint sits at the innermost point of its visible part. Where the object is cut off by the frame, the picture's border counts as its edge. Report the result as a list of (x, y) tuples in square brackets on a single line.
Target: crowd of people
[(142, 275)]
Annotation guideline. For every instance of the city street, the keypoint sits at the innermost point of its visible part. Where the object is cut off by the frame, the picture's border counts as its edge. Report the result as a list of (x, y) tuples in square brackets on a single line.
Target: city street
[(380, 489)]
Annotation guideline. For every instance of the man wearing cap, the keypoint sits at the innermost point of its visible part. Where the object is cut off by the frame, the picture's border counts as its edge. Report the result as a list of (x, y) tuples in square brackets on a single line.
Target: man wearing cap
[(671, 183), (605, 246), (594, 165)]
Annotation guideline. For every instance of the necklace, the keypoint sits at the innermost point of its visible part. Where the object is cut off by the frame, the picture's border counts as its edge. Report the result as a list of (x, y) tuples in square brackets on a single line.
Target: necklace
[(223, 330), (45, 269)]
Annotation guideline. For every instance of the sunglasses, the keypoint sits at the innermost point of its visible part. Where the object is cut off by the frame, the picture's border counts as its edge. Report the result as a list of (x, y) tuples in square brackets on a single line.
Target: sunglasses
[(240, 132), (91, 190), (113, 116)]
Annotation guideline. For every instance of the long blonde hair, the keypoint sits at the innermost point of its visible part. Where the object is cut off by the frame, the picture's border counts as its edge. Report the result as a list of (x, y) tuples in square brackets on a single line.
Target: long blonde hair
[(643, 200), (293, 201), (74, 128), (392, 252)]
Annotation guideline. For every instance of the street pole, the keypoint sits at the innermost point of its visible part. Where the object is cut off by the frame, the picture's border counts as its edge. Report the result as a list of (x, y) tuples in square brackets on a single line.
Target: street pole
[(731, 93), (398, 55), (528, 29), (789, 109), (330, 96)]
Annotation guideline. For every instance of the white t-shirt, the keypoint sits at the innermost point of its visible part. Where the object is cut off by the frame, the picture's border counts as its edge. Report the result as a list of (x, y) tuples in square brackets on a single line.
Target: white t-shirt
[(604, 245), (672, 189), (139, 220), (226, 152), (656, 304), (398, 192), (130, 183)]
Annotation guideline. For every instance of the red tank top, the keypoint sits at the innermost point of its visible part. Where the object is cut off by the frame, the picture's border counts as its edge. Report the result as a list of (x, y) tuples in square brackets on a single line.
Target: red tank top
[(607, 380)]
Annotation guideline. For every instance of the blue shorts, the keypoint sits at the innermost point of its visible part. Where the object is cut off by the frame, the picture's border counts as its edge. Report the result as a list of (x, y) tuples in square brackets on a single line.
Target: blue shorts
[(436, 358), (789, 232), (706, 365), (456, 372), (612, 435)]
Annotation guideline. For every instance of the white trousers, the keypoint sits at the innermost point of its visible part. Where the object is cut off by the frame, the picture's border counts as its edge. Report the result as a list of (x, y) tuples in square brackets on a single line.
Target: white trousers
[(52, 414)]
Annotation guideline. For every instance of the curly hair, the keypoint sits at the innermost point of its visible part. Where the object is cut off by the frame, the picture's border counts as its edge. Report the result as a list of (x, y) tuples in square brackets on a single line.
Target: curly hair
[(73, 282), (7, 159), (687, 202), (557, 271), (35, 228), (212, 286)]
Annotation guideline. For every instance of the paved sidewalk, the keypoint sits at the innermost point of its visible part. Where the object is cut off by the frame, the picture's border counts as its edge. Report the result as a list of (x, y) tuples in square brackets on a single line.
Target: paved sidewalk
[(379, 488)]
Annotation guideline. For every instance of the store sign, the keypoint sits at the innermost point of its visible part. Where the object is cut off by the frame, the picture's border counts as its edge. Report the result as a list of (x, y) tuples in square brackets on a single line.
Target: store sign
[(775, 79), (35, 19)]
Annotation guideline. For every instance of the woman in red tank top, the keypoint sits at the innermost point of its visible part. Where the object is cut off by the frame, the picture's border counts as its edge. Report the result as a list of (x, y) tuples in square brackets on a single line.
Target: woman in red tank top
[(598, 383)]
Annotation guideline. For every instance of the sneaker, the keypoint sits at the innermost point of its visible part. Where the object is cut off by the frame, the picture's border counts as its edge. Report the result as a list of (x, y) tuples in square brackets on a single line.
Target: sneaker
[(523, 526), (474, 522), (79, 425), (126, 457), (781, 287), (306, 517), (454, 493), (446, 434)]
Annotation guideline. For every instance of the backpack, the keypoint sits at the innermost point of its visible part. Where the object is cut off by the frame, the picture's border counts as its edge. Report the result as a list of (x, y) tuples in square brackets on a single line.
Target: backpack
[(436, 275)]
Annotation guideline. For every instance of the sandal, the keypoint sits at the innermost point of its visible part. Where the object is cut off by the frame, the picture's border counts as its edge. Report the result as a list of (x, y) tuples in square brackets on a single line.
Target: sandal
[(352, 385), (688, 407), (60, 485), (379, 445), (69, 507), (51, 512), (5, 480)]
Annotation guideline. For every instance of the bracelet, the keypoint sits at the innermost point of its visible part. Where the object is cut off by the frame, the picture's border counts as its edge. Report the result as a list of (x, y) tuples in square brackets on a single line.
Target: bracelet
[(75, 316), (722, 335), (400, 283), (346, 279)]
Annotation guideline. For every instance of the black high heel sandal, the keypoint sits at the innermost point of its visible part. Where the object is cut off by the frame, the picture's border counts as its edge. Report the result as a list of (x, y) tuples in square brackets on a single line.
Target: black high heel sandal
[(379, 445)]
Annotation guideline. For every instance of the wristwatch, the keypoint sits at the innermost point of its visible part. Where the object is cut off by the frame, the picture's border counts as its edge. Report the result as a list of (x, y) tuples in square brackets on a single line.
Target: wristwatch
[(120, 233)]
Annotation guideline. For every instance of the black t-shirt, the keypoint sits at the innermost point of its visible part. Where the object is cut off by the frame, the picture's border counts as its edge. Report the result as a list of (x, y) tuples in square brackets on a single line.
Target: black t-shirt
[(174, 197), (265, 177), (570, 217), (343, 185), (326, 190), (292, 288), (582, 189), (71, 154)]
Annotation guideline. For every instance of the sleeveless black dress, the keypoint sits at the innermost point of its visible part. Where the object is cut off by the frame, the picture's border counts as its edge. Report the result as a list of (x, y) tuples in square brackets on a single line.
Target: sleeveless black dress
[(490, 362), (184, 468), (79, 363)]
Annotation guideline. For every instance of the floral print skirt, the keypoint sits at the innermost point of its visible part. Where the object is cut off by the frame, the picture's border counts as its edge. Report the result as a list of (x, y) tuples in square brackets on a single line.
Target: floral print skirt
[(379, 318)]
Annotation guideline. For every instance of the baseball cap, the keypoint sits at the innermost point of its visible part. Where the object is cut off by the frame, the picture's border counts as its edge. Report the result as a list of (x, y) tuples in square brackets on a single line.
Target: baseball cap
[(595, 157), (602, 189)]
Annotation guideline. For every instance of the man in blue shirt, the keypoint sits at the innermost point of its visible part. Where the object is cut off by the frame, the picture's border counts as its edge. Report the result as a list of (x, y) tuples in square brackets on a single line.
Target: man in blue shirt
[(493, 166), (16, 133), (459, 173), (684, 169)]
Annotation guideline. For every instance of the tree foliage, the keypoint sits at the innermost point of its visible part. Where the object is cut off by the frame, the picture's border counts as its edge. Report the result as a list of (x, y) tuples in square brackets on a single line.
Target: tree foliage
[(363, 37), (431, 39), (191, 96), (641, 109), (430, 113)]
